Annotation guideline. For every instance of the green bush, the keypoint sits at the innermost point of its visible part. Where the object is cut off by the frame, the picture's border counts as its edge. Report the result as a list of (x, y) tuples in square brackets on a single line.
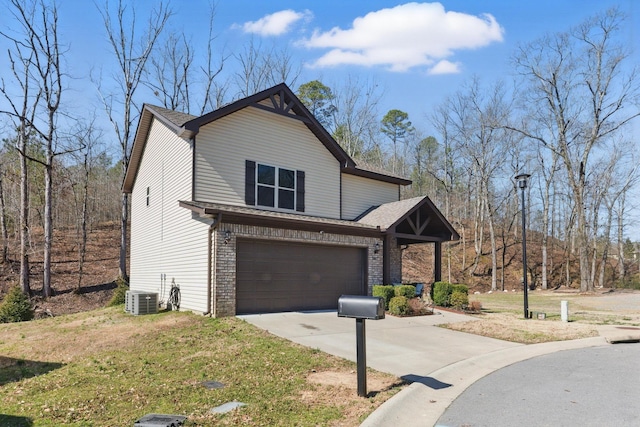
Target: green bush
[(460, 288), (441, 293), (16, 307), (459, 300), (384, 291), (407, 291), (399, 306), (628, 283), (119, 294)]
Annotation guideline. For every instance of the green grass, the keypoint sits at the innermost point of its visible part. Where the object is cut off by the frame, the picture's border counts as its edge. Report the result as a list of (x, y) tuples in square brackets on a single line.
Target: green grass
[(160, 369)]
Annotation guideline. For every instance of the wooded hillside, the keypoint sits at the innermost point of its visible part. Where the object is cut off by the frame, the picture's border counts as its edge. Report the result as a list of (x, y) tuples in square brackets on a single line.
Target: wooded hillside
[(566, 119)]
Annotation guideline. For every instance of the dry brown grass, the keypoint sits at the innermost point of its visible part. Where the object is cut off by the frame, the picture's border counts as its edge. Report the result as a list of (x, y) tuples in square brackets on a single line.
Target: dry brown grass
[(512, 327), (502, 315)]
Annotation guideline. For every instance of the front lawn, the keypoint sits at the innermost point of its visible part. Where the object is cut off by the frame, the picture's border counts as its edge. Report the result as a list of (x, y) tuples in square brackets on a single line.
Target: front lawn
[(106, 367)]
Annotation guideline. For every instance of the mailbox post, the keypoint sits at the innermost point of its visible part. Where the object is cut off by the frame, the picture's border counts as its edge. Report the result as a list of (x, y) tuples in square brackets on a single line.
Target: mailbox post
[(361, 308)]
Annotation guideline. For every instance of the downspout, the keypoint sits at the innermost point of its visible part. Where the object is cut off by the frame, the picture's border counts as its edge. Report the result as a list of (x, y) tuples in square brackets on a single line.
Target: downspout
[(210, 275)]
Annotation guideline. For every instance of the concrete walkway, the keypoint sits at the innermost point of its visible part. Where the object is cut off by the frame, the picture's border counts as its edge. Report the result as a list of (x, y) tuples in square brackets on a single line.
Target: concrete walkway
[(439, 362)]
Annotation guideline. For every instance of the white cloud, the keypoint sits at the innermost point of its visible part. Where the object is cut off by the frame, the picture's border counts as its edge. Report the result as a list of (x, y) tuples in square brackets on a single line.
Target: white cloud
[(406, 36), (274, 24), (445, 67)]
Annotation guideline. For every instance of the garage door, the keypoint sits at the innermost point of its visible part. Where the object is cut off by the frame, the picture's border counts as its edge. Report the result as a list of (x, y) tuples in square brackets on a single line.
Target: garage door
[(282, 276)]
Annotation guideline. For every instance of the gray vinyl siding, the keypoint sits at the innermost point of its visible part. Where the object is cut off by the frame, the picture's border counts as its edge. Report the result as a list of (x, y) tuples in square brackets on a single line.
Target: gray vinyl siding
[(264, 137), (165, 239), (359, 194)]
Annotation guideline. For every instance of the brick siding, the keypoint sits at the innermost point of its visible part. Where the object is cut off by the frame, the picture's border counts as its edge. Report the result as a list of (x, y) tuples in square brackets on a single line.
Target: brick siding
[(224, 253)]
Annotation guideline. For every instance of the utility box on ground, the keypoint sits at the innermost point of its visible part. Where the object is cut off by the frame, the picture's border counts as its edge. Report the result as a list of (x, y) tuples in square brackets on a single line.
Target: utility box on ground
[(139, 302), (157, 420)]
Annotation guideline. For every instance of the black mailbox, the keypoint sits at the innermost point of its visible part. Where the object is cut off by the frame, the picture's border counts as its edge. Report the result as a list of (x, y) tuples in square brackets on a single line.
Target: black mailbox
[(361, 307)]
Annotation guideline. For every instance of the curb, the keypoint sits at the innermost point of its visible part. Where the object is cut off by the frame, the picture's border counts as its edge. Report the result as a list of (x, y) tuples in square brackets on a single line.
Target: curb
[(421, 405)]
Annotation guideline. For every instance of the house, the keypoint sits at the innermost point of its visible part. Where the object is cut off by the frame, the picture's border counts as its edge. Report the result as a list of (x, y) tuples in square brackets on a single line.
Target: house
[(254, 207)]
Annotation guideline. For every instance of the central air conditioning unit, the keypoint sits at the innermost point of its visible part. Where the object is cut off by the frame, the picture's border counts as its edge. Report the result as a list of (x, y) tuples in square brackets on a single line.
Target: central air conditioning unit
[(140, 302)]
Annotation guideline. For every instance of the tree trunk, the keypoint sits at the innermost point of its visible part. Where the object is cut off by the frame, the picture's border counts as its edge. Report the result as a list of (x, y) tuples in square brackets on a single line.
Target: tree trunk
[(123, 237), (494, 247), (3, 222), (48, 227), (622, 270), (478, 232), (24, 215), (83, 222), (586, 285)]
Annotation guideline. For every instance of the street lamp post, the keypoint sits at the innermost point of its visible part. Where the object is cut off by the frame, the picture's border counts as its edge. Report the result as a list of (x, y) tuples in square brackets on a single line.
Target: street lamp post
[(522, 183)]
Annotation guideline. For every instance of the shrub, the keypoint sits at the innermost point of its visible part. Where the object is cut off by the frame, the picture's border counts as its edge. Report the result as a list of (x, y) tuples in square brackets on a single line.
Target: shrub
[(441, 293), (628, 283), (384, 291), (459, 300), (16, 307), (407, 291), (399, 306), (119, 294), (460, 288), (475, 306)]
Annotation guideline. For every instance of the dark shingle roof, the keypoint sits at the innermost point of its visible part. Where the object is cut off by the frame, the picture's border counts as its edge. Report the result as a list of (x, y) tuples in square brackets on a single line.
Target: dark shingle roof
[(388, 214), (176, 118)]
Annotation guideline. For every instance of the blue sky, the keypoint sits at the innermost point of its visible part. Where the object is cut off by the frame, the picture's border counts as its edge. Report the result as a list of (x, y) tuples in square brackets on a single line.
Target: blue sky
[(418, 53)]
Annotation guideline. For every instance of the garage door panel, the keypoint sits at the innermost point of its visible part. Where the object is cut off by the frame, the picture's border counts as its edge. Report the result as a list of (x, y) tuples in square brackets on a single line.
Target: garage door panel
[(284, 276)]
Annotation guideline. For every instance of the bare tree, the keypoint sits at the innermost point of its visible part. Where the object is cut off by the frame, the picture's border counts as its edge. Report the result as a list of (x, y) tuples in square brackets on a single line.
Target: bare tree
[(170, 72), (260, 68), (88, 137), (547, 170), (213, 91), (475, 122), (355, 117), (253, 63), (577, 82), (132, 51), (38, 50), (621, 177), (282, 68), (3, 219)]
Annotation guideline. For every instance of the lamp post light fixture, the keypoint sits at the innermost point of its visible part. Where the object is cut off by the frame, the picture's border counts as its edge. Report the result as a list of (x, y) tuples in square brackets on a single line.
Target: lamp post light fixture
[(522, 183)]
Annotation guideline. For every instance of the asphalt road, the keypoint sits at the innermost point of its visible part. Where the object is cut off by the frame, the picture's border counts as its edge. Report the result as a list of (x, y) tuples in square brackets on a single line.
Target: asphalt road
[(597, 386)]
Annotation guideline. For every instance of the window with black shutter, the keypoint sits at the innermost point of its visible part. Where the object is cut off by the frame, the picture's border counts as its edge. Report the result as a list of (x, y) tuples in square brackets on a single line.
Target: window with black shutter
[(274, 187)]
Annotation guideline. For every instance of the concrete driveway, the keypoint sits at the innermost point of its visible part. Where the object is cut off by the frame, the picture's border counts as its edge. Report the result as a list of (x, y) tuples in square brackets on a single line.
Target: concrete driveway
[(409, 347)]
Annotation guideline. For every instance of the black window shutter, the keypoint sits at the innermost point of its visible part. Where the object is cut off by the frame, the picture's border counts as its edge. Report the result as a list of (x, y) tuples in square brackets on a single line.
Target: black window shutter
[(300, 191), (250, 183)]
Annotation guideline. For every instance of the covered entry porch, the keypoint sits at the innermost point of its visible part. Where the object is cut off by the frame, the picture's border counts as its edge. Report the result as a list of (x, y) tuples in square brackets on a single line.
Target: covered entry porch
[(409, 222)]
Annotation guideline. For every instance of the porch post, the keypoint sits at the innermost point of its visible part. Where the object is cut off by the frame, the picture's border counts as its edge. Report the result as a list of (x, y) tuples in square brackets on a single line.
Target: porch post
[(437, 262), (386, 260)]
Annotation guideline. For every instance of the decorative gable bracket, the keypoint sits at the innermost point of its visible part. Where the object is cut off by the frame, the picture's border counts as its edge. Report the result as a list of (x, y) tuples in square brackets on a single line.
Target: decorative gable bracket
[(417, 223), (284, 105)]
